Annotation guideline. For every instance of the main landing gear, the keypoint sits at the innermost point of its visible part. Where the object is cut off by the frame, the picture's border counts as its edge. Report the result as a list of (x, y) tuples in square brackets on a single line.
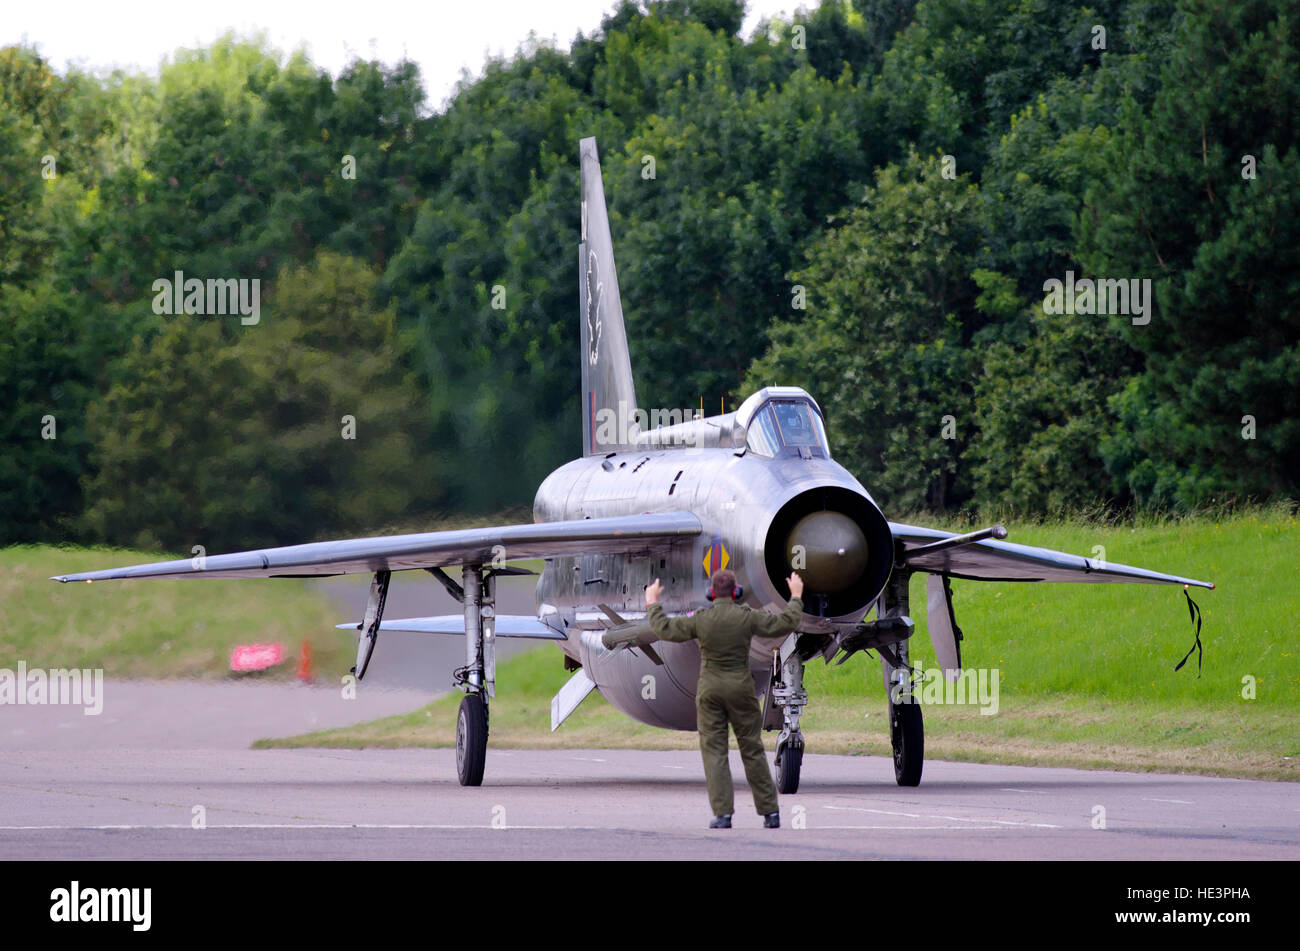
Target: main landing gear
[(906, 732), (907, 736), (471, 739), (477, 679)]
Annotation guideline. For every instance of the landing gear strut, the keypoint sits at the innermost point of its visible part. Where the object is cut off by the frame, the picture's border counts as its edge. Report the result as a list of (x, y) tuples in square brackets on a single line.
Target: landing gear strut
[(906, 732), (788, 693), (478, 677)]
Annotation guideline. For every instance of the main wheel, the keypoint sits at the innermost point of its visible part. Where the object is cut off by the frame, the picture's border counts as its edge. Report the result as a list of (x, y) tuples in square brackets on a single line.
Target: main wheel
[(907, 736), (789, 759), (471, 739)]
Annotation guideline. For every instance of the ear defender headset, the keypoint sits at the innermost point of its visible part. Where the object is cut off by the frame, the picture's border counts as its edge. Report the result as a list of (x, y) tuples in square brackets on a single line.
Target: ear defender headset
[(737, 593)]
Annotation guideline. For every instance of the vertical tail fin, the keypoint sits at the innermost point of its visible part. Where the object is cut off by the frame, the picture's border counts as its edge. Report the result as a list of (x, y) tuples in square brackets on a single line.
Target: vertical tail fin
[(609, 421)]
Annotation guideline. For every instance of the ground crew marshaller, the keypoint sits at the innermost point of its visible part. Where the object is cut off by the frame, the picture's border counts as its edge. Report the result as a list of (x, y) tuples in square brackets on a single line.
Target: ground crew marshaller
[(726, 690)]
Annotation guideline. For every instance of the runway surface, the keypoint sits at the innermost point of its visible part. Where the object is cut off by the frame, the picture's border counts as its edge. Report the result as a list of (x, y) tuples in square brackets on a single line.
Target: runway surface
[(76, 788)]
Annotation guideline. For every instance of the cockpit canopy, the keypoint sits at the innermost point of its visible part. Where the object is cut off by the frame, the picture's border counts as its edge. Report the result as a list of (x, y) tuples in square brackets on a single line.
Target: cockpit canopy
[(776, 422), (787, 426)]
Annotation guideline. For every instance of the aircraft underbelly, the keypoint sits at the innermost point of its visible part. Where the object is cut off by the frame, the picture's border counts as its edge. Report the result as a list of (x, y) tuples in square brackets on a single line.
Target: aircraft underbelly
[(660, 696)]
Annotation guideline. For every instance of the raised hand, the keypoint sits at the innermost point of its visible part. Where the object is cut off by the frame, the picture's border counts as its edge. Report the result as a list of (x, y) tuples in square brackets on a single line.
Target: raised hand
[(653, 591), (796, 585)]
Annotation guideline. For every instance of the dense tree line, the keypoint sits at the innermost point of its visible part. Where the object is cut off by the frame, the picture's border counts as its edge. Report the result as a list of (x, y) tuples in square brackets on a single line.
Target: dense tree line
[(869, 200)]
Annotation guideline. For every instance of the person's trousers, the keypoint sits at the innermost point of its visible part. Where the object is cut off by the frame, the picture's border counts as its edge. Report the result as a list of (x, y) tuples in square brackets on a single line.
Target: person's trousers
[(727, 696)]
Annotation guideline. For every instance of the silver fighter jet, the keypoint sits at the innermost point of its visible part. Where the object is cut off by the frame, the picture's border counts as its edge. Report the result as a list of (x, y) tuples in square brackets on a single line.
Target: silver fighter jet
[(754, 490)]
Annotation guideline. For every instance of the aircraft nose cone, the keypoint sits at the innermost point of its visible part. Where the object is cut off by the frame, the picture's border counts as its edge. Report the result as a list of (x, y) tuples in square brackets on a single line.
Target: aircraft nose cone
[(831, 548)]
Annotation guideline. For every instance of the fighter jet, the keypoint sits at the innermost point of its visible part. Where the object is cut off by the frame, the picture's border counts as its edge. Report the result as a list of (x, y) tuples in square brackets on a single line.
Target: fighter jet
[(754, 490)]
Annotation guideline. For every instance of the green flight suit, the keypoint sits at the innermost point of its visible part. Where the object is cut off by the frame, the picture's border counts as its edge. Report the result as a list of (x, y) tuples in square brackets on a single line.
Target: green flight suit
[(726, 692)]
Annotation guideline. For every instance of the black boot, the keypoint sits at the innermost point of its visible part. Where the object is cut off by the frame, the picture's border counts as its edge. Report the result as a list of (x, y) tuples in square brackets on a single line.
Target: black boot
[(721, 822), (772, 820)]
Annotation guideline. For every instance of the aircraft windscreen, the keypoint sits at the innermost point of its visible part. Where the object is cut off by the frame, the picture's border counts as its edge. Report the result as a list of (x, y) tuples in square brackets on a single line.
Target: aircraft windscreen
[(784, 427)]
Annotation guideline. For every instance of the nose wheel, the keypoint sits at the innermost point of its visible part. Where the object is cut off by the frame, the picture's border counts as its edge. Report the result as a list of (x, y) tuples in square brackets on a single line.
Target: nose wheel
[(789, 759), (471, 739)]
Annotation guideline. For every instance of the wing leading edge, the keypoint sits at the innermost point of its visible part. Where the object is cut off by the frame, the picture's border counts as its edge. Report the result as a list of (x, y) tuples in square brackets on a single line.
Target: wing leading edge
[(505, 625), (991, 560), (650, 533)]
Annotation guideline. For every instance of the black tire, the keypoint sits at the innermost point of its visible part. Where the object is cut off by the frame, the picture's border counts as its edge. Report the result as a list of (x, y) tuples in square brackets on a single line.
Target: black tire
[(789, 759), (471, 739), (907, 735)]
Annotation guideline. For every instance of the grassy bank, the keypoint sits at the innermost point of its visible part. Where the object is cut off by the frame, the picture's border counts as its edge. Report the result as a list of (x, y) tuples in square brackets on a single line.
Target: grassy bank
[(155, 628), (1085, 671)]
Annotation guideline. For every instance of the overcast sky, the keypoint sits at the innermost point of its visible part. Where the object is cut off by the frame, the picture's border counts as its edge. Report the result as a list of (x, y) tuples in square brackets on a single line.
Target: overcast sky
[(443, 37)]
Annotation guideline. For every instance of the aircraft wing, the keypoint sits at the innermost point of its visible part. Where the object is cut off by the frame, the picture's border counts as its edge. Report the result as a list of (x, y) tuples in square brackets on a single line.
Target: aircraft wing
[(649, 533), (506, 625), (992, 560)]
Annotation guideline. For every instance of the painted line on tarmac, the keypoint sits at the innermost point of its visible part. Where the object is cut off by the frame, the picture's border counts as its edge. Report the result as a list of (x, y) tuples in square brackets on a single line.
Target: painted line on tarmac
[(921, 828), (918, 815), (340, 826), (287, 825)]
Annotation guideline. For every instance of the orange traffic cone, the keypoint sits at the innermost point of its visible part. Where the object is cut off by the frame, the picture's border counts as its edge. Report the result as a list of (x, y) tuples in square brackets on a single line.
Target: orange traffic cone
[(305, 672)]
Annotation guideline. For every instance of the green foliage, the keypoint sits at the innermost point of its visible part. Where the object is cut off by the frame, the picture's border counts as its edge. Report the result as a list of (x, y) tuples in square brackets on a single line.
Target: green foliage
[(1223, 249), (46, 355), (1042, 390), (735, 169), (742, 180), (1041, 414), (885, 345), (223, 440)]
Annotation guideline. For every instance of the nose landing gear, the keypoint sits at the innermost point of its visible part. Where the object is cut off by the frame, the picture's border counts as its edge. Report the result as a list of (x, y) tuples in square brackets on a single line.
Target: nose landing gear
[(787, 692)]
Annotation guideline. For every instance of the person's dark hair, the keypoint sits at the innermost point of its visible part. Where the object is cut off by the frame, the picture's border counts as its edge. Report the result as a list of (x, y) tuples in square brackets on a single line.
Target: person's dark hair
[(724, 583)]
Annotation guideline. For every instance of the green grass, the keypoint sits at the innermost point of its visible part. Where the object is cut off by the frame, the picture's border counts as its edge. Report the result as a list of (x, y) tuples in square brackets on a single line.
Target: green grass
[(1086, 671), (156, 628)]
